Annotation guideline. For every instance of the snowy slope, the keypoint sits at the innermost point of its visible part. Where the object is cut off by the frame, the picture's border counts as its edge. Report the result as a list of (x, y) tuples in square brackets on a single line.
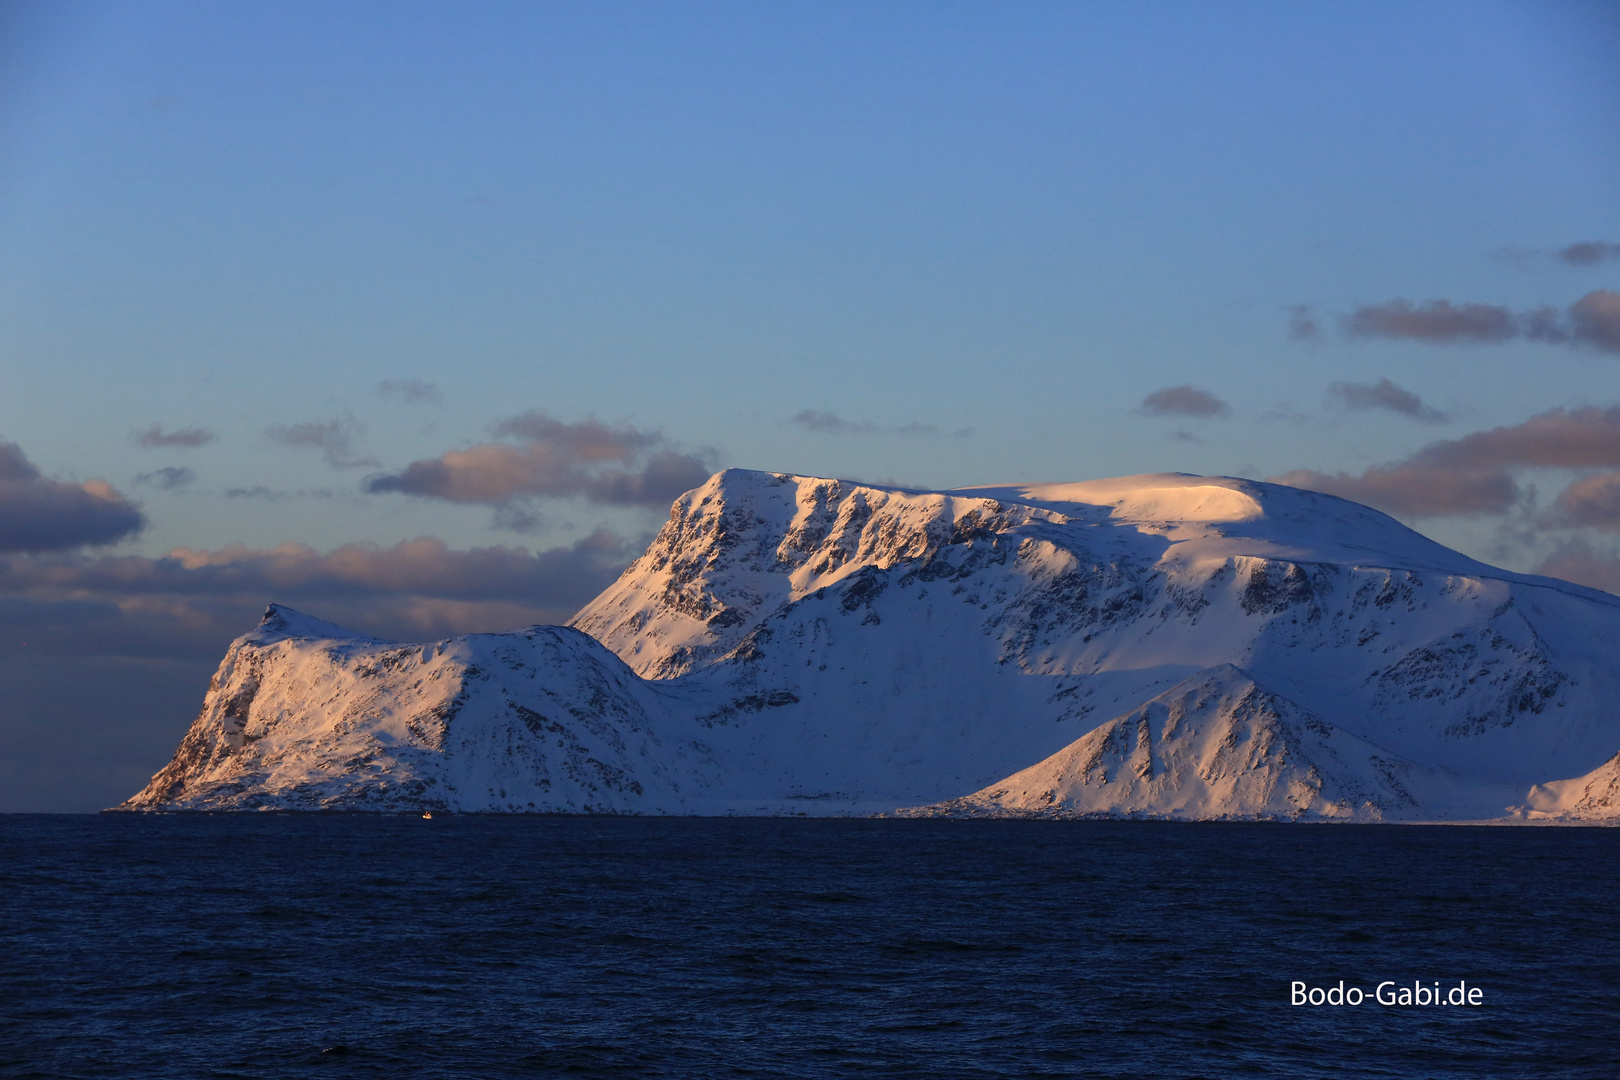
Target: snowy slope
[(305, 715), (1219, 745), (1593, 797), (808, 645)]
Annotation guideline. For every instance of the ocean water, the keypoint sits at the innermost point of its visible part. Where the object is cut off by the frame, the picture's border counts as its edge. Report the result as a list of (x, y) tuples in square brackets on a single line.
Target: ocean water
[(285, 945)]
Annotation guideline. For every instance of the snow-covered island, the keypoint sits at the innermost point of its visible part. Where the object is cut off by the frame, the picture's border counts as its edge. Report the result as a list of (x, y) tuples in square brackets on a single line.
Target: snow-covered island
[(1151, 646)]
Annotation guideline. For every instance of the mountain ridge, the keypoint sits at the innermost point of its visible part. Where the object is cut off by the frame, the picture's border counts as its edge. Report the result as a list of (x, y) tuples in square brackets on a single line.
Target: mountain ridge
[(794, 644)]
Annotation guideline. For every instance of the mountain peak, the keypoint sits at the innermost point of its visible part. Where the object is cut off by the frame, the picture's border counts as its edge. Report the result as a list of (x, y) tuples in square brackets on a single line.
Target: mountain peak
[(282, 623), (1163, 645)]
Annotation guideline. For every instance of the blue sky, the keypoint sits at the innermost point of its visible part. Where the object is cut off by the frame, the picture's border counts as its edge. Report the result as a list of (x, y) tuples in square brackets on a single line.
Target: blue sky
[(939, 244)]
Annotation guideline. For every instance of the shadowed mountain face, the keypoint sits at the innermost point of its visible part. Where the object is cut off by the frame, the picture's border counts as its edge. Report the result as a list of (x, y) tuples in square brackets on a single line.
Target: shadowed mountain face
[(1218, 745), (1162, 645)]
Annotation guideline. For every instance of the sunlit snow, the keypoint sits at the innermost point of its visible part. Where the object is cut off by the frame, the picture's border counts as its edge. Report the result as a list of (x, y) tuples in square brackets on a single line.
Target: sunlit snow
[(1162, 645)]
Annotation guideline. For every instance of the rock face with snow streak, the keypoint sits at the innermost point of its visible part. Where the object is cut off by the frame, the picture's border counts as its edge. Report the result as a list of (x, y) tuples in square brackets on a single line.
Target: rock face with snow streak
[(1162, 645)]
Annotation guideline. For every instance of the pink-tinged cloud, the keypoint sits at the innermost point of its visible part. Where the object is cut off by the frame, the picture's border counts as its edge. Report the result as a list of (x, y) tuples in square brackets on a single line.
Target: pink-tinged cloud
[(37, 514), (1583, 564), (191, 599), (1438, 321), (1183, 401), (424, 567), (1595, 320), (1592, 321), (490, 473), (1473, 474), (1593, 501), (1559, 438), (1415, 490), (616, 466)]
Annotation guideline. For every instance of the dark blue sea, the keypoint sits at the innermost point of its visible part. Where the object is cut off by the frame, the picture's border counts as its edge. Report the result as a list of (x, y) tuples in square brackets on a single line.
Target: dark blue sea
[(286, 945)]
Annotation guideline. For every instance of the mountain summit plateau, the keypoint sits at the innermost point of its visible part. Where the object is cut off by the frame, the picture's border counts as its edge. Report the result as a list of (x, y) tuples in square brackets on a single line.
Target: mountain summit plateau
[(1165, 646)]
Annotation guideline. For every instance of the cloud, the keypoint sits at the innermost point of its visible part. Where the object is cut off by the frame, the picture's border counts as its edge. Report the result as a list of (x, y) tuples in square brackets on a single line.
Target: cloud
[(37, 514), (259, 491), (155, 436), (1559, 438), (1302, 324), (664, 477), (409, 391), (1183, 401), (1384, 394), (1437, 322), (1591, 501), (589, 440), (827, 423), (1419, 490), (1595, 320), (167, 479), (830, 423), (334, 438), (1474, 474), (620, 466), (517, 517), (1592, 321), (417, 587), (423, 567), (1589, 253), (1578, 561)]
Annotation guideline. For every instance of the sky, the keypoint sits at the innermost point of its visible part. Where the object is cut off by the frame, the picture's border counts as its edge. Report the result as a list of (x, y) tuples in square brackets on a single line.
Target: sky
[(417, 316)]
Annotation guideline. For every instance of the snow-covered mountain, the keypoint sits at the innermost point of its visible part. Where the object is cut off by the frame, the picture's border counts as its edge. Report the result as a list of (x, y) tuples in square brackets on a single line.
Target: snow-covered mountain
[(1164, 645)]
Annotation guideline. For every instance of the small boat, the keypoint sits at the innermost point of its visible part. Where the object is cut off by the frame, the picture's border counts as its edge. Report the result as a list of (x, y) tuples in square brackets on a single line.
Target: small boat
[(427, 813)]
